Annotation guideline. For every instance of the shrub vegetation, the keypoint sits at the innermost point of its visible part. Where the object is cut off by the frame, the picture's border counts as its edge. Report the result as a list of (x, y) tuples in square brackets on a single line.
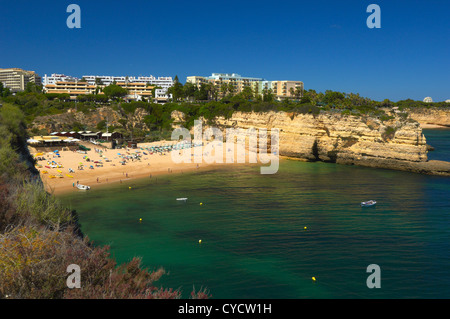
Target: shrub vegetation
[(39, 237)]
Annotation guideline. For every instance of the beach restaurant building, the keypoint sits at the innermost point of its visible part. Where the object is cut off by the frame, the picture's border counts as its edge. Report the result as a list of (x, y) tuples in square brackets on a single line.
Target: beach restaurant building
[(88, 135), (51, 140), (72, 134)]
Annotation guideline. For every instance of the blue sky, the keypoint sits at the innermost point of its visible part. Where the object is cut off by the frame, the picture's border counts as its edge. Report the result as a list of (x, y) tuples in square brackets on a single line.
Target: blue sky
[(324, 43)]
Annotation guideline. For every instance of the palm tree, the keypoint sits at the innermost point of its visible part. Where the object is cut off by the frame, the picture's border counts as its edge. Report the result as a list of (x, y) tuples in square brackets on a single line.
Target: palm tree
[(230, 88), (212, 91), (256, 91), (298, 92), (292, 91), (224, 89)]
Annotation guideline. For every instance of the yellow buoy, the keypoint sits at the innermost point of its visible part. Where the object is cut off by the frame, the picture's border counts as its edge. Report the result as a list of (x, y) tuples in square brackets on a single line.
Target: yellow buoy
[(200, 241), (305, 227), (129, 187), (140, 219), (313, 278), (201, 204)]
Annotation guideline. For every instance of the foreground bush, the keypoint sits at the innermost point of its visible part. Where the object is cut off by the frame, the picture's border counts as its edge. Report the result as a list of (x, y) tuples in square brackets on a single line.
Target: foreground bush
[(40, 238), (33, 264)]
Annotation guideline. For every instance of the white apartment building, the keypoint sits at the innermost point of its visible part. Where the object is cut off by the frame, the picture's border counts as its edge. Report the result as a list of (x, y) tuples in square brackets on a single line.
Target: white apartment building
[(161, 96), (58, 78), (163, 82)]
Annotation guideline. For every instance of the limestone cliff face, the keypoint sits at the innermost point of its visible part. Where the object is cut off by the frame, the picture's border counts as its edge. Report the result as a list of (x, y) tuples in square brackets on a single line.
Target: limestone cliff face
[(65, 121), (337, 138), (437, 116)]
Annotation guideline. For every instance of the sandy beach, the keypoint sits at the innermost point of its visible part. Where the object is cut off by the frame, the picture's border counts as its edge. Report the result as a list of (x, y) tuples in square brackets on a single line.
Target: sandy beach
[(105, 167), (430, 126)]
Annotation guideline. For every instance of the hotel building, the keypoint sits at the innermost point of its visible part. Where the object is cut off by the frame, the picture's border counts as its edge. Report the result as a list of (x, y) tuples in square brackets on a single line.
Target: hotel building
[(163, 82), (135, 90), (74, 89), (58, 78), (280, 89), (17, 79), (218, 79), (283, 89), (138, 87)]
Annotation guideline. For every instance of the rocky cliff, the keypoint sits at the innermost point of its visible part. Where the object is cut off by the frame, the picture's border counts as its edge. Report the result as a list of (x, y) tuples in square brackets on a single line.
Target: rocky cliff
[(66, 121), (396, 143), (436, 116), (356, 140)]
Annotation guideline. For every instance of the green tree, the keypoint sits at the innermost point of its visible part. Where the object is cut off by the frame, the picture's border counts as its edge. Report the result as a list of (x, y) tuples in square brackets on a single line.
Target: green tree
[(332, 97), (386, 103), (298, 92), (114, 91), (212, 91), (176, 90), (33, 88), (267, 95), (292, 92), (77, 126), (6, 92), (224, 89), (247, 93), (101, 125), (189, 90), (231, 88), (202, 93)]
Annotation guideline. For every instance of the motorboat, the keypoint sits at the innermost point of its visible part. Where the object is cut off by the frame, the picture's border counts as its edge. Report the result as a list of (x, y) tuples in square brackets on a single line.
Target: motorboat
[(83, 187), (368, 203)]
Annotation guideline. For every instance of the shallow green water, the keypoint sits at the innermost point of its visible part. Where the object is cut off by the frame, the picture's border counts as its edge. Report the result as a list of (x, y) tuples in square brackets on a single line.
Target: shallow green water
[(254, 244)]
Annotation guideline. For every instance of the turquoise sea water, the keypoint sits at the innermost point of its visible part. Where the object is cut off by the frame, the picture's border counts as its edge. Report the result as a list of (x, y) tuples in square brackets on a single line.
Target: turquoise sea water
[(439, 139), (254, 244)]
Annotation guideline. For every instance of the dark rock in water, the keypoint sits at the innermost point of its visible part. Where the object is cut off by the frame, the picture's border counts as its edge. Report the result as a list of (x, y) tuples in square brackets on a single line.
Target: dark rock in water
[(430, 148), (433, 167)]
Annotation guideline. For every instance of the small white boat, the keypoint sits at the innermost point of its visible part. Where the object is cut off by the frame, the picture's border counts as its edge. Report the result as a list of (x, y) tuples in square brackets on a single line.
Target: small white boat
[(183, 199), (368, 203), (83, 187)]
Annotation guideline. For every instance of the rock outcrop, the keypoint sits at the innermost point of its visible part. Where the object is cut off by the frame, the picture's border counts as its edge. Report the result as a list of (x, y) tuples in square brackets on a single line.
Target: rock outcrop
[(435, 116), (355, 140), (397, 143), (65, 121)]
